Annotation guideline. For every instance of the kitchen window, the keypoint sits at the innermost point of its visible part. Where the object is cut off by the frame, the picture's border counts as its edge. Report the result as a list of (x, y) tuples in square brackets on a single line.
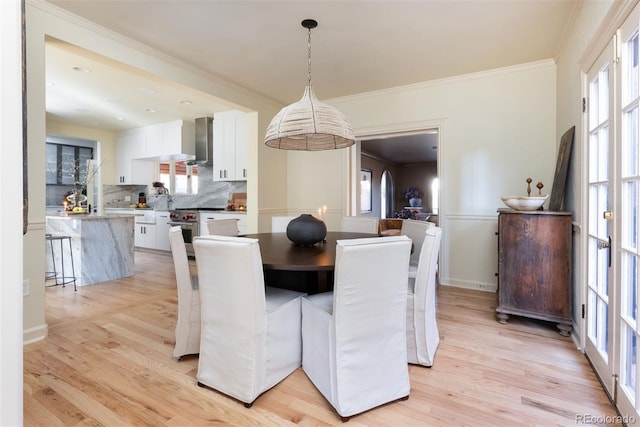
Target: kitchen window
[(179, 177)]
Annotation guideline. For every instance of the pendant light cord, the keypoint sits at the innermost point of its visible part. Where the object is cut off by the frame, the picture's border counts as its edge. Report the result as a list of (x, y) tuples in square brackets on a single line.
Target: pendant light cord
[(309, 55)]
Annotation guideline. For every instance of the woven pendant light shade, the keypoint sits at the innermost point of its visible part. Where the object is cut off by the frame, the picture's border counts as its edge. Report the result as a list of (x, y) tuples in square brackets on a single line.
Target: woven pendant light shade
[(310, 125)]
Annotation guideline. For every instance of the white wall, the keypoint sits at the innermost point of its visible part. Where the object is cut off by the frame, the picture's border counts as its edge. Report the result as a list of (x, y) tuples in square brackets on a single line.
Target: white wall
[(496, 130), (10, 215), (316, 179)]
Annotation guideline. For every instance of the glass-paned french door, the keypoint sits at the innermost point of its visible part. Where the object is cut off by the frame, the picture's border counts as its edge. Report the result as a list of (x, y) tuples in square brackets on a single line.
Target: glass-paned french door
[(613, 250), (627, 185), (599, 327)]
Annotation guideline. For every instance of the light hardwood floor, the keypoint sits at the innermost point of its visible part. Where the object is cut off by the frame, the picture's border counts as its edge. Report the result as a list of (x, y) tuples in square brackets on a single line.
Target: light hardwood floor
[(107, 361)]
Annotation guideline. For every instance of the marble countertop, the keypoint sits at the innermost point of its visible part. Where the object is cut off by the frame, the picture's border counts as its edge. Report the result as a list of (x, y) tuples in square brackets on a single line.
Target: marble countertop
[(141, 210), (230, 212), (91, 216)]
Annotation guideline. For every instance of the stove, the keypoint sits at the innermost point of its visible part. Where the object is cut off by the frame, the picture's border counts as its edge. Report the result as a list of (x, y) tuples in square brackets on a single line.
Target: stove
[(187, 220), (183, 215)]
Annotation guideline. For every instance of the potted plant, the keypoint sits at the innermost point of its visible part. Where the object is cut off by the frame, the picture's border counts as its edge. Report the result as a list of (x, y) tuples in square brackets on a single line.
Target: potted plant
[(160, 188), (414, 196)]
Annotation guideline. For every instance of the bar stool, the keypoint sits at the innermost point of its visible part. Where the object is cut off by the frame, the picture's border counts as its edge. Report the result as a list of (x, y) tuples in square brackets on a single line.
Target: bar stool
[(53, 275)]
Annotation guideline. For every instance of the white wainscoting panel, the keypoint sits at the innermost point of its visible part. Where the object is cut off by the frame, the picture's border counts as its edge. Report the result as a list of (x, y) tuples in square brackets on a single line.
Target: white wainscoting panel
[(469, 256)]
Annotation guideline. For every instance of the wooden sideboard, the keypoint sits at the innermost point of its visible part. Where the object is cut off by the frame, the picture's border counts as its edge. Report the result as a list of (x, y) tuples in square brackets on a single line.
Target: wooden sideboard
[(534, 266)]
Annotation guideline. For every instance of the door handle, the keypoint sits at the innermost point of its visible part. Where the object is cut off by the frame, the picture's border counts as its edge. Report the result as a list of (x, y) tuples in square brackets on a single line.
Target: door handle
[(609, 247), (606, 245)]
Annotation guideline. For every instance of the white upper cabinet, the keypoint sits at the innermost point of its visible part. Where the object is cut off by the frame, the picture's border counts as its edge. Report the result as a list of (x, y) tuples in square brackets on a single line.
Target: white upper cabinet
[(130, 145), (230, 146), (136, 149), (170, 141), (153, 139)]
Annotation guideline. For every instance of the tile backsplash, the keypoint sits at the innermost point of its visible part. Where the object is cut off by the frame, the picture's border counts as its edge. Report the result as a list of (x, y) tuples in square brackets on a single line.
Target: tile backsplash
[(115, 196), (211, 194)]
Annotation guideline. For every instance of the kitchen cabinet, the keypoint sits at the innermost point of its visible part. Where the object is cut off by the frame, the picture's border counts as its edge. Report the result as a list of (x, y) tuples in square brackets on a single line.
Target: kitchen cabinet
[(145, 233), (230, 146), (162, 231), (66, 164), (139, 150), (204, 217), (130, 145), (534, 266), (172, 140), (152, 229), (145, 236)]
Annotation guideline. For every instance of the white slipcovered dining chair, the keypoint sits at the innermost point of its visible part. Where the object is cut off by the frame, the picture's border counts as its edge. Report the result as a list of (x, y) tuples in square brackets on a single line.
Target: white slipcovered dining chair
[(279, 223), (415, 230), (354, 338), (360, 224), (223, 227), (251, 337), (422, 328), (187, 333)]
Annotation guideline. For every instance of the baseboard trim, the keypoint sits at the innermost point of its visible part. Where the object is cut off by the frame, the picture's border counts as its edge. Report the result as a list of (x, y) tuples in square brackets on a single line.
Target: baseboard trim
[(31, 335), (485, 287)]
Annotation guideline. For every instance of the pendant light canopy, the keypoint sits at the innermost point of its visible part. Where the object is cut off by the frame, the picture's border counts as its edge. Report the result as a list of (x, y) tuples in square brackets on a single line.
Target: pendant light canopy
[(309, 124)]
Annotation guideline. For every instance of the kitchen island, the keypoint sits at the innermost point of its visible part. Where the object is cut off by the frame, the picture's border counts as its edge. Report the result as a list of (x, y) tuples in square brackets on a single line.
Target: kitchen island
[(102, 246)]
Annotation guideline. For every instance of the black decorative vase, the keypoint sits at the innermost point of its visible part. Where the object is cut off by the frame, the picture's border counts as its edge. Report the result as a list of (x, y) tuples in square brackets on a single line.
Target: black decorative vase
[(306, 230)]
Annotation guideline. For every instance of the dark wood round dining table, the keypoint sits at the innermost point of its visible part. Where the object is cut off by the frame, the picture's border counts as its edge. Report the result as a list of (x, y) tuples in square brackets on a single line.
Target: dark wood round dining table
[(302, 268)]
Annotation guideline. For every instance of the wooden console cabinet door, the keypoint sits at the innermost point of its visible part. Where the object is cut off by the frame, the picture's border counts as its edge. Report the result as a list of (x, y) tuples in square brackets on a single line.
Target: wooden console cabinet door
[(534, 266)]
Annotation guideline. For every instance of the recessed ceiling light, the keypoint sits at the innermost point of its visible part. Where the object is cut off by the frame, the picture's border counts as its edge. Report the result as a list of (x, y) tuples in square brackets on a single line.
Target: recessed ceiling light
[(119, 118), (147, 91), (185, 101), (149, 110), (51, 84), (81, 69)]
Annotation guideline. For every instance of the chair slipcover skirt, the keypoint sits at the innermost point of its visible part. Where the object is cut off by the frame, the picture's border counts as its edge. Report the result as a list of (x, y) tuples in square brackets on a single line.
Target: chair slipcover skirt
[(422, 328), (187, 333), (250, 335), (354, 339)]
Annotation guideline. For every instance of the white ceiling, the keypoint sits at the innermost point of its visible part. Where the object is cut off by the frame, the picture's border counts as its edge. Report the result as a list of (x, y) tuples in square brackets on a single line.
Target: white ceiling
[(358, 46)]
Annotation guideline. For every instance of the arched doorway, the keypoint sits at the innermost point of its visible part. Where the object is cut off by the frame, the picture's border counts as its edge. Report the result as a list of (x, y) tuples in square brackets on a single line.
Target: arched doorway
[(386, 195)]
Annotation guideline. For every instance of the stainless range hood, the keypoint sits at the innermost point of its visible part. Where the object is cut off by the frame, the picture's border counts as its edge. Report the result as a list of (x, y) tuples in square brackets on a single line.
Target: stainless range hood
[(204, 141)]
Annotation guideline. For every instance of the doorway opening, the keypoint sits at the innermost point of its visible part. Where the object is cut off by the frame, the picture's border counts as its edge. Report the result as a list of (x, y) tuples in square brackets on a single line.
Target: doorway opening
[(398, 163)]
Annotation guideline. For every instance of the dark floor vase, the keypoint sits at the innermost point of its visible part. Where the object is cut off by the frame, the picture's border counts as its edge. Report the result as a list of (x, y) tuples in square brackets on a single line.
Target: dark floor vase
[(306, 230)]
